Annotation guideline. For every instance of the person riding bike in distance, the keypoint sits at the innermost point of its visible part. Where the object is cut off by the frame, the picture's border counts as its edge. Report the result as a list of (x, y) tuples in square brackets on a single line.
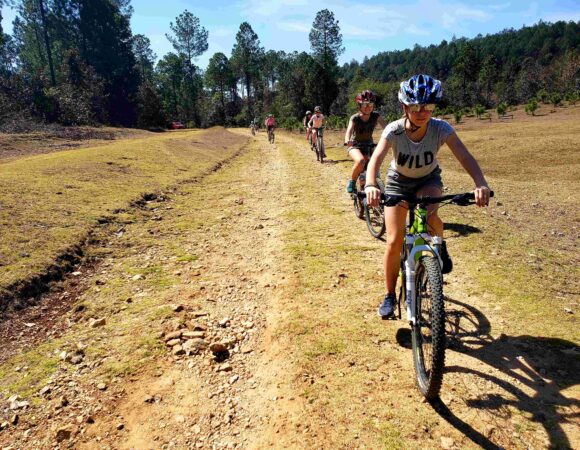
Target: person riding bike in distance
[(316, 122), (270, 122), (414, 170), (305, 124), (359, 135)]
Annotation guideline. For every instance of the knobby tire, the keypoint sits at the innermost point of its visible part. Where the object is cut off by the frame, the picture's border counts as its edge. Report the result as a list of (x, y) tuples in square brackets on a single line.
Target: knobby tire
[(359, 206), (428, 334), (375, 217)]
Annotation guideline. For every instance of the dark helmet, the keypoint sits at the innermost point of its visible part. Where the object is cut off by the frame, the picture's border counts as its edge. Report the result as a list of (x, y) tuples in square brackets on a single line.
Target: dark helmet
[(420, 90), (366, 96)]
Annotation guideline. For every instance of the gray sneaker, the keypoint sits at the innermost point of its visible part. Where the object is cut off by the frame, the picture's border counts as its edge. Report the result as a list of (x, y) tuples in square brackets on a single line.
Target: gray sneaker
[(387, 308)]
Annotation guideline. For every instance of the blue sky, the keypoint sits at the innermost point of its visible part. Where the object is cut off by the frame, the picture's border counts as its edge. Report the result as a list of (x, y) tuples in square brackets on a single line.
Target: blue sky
[(367, 26)]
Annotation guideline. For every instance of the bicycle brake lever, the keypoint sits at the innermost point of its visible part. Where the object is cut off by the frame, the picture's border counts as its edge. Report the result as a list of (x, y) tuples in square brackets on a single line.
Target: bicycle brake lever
[(463, 199)]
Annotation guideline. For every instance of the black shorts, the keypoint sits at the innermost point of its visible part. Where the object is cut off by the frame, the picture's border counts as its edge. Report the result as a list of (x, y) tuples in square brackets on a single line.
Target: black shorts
[(400, 184), (365, 148)]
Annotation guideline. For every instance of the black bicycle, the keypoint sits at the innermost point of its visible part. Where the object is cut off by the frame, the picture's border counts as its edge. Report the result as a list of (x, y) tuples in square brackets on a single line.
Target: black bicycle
[(318, 144), (271, 135), (421, 287), (374, 216)]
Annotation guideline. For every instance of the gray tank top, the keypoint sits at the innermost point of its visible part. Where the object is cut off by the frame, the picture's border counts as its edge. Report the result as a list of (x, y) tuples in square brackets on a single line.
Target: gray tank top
[(416, 159)]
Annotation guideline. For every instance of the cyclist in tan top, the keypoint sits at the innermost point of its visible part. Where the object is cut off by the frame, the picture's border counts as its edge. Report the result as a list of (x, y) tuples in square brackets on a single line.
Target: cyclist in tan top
[(359, 135)]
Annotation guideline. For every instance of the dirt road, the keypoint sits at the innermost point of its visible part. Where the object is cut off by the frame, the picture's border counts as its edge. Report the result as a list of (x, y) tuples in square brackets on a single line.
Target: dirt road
[(240, 312)]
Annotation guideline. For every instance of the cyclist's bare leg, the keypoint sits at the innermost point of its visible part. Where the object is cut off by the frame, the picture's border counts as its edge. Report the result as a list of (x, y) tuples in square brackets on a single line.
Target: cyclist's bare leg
[(359, 162), (395, 217), (433, 220)]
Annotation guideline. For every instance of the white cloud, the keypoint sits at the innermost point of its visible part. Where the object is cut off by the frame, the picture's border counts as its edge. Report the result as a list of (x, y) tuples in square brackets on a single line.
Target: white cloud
[(382, 11), (294, 26), (454, 17), (475, 14), (357, 32), (500, 7)]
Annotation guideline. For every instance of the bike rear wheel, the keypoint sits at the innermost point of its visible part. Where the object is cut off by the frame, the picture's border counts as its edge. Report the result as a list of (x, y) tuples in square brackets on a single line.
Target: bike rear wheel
[(428, 333)]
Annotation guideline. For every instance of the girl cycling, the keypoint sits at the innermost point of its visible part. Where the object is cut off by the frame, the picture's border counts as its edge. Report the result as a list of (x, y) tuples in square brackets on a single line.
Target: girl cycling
[(359, 135), (414, 170), (316, 122)]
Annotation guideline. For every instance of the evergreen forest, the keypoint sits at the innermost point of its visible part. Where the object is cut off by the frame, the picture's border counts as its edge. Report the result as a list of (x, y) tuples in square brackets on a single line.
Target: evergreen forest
[(77, 62)]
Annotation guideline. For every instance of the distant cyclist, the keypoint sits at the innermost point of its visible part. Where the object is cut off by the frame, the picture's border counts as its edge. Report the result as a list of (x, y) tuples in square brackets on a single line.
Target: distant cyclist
[(270, 123), (414, 170), (316, 122), (359, 135), (306, 127)]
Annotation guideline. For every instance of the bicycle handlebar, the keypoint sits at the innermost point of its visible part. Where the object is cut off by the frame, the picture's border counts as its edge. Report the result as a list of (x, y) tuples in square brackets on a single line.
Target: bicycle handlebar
[(463, 199)]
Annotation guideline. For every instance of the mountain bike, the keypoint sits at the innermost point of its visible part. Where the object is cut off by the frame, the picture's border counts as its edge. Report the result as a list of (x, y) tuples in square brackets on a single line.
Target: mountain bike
[(271, 135), (253, 129), (319, 145), (421, 287), (374, 216)]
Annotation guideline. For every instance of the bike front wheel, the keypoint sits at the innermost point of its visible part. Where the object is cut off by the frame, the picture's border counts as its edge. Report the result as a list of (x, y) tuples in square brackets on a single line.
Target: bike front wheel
[(320, 149), (359, 206), (428, 332), (375, 218)]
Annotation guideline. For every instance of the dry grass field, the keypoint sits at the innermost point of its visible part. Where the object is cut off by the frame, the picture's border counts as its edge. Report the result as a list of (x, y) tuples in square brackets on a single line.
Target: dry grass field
[(255, 246)]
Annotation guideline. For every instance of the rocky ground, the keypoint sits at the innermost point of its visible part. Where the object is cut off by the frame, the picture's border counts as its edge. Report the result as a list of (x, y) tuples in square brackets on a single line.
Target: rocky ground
[(200, 278)]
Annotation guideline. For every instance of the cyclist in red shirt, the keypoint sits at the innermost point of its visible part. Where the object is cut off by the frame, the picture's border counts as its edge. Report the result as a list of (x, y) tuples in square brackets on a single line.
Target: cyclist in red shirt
[(270, 122)]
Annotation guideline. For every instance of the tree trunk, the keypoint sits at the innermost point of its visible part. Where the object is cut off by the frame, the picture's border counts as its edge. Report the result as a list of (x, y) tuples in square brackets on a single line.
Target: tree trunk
[(47, 42)]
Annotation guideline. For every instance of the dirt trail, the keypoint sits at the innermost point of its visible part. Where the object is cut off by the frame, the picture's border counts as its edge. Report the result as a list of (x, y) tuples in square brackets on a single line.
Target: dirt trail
[(275, 268), (245, 400)]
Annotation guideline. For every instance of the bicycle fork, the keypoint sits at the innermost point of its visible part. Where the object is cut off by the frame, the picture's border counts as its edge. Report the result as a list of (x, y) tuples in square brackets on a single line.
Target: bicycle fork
[(410, 265)]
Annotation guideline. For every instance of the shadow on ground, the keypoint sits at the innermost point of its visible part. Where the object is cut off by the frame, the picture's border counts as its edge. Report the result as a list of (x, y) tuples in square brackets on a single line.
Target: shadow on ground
[(461, 229), (539, 369)]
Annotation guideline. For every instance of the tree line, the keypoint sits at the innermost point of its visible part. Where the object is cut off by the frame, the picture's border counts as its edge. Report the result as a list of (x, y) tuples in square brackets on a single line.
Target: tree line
[(77, 62)]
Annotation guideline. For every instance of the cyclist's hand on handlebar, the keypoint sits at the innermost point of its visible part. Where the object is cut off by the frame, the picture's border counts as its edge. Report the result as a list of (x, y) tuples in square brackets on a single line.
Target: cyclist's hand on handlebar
[(373, 195), (482, 196)]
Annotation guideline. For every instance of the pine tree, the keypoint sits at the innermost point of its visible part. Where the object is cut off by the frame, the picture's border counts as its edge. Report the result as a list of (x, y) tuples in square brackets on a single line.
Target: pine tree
[(220, 78), (145, 57), (246, 59), (190, 41), (326, 44)]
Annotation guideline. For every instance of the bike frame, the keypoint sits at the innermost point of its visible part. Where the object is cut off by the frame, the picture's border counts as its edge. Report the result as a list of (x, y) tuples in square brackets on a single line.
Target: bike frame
[(417, 242)]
